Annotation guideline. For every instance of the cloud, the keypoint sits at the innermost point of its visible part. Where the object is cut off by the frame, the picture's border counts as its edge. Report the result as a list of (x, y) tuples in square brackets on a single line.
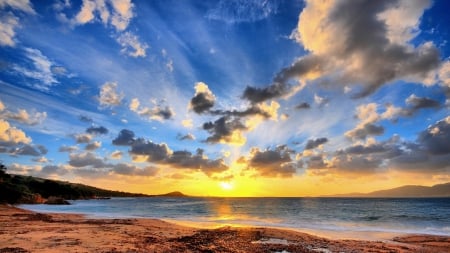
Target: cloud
[(203, 99), (9, 22), (131, 170), (225, 130), (314, 143), (22, 5), (117, 13), (93, 145), (187, 123), (154, 152), (41, 159), (82, 138), (242, 11), (84, 118), (161, 154), (272, 163), (116, 155), (198, 161), (125, 138), (86, 159), (97, 130), (109, 96), (335, 34), (22, 116), (436, 139), (188, 136), (30, 150), (258, 95), (49, 170), (42, 69), (131, 45), (10, 135), (320, 101), (158, 112), (416, 103), (368, 116), (303, 105), (69, 149), (363, 131), (123, 12)]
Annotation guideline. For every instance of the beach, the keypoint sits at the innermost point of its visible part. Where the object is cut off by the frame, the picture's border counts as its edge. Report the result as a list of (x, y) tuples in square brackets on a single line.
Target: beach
[(27, 231)]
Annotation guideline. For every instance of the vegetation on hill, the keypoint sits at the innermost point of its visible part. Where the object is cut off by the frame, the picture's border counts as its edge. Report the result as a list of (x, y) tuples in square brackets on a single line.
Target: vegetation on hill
[(15, 189)]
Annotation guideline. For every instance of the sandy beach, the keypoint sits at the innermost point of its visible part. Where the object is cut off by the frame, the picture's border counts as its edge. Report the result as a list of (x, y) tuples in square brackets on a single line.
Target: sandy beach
[(26, 231)]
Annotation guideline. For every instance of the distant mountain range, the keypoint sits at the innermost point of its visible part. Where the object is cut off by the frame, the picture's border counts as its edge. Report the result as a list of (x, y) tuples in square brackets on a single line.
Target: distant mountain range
[(407, 191)]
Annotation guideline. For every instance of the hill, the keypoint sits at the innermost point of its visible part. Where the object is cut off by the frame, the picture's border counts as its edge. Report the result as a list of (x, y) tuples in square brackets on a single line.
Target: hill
[(27, 189), (407, 191)]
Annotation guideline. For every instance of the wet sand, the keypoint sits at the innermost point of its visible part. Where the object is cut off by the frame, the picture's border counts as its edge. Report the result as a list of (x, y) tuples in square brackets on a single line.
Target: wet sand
[(26, 231)]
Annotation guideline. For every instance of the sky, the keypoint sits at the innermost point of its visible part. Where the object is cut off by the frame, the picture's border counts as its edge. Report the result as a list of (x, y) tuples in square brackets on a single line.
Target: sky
[(227, 97)]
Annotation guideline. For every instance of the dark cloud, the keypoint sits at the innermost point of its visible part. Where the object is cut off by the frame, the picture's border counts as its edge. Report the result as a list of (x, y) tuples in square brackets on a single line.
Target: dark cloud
[(188, 136), (49, 170), (344, 39), (164, 113), (222, 129), (69, 149), (311, 144), (125, 138), (203, 99), (303, 105), (366, 130), (436, 139), (87, 159), (416, 103), (86, 119), (155, 152), (273, 163), (185, 159), (161, 154), (202, 102), (30, 150), (258, 95), (97, 130), (131, 170), (253, 110), (316, 162)]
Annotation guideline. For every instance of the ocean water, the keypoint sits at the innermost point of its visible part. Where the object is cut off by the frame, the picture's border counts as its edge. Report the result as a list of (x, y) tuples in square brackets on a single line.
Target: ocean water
[(339, 215)]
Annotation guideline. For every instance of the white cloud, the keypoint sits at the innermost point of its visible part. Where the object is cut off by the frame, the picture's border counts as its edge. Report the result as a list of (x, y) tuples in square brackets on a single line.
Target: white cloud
[(335, 32), (12, 135), (22, 5), (8, 24), (116, 155), (109, 96), (42, 68), (122, 14), (117, 13), (24, 117), (131, 45)]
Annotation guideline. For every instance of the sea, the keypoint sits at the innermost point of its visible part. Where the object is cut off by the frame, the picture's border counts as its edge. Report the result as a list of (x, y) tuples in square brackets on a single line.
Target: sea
[(333, 217)]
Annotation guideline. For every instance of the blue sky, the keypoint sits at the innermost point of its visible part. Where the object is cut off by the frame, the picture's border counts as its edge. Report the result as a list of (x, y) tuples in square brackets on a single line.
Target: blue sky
[(176, 94)]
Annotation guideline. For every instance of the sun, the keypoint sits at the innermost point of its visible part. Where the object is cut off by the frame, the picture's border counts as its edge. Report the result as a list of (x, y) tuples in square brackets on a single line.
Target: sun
[(226, 186)]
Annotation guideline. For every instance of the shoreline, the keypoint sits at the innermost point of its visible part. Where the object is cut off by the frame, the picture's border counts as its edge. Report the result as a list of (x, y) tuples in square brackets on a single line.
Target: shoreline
[(26, 231)]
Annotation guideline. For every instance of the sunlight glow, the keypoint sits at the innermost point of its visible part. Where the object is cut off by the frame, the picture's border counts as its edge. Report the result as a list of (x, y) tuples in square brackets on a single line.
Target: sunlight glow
[(227, 186)]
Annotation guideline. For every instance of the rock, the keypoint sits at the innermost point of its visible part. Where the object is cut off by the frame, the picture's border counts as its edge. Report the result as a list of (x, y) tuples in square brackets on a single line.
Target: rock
[(56, 201)]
